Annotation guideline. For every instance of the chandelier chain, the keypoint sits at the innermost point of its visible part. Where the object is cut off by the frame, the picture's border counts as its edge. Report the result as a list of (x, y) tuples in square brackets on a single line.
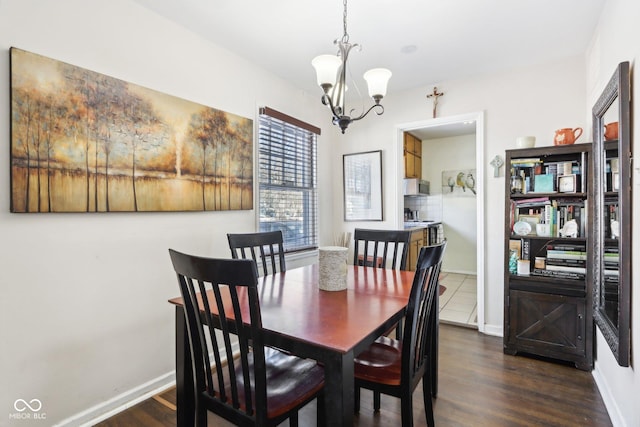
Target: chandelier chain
[(345, 36)]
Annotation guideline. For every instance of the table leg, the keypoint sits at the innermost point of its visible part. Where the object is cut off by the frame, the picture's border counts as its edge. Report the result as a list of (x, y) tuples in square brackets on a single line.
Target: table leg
[(338, 390), (185, 401)]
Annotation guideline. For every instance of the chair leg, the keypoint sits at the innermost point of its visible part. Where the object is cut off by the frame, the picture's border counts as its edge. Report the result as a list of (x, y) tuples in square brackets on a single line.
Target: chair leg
[(428, 402), (407, 410), (356, 400), (201, 417), (321, 420), (426, 386), (376, 401)]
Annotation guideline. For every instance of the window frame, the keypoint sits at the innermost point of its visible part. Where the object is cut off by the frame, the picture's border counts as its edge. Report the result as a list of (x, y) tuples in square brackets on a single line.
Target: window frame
[(305, 176)]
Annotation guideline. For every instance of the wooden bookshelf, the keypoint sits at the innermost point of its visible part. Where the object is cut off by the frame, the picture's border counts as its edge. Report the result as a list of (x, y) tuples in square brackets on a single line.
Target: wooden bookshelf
[(547, 297)]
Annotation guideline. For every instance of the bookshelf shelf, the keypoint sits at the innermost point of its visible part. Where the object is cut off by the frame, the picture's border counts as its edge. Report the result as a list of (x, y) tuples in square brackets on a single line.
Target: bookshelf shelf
[(547, 309)]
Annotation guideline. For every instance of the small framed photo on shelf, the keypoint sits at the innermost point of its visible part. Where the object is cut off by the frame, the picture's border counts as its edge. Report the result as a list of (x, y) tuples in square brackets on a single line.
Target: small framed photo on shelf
[(567, 183)]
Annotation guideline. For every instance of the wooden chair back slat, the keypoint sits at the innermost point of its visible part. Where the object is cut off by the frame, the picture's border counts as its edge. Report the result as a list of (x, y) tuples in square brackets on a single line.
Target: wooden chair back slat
[(263, 248), (382, 242)]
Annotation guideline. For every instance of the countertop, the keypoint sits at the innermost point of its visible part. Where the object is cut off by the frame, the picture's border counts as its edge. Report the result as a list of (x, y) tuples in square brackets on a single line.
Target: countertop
[(420, 224)]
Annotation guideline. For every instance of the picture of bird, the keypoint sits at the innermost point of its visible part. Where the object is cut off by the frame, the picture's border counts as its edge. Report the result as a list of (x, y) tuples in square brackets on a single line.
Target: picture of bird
[(463, 179), (451, 182), (470, 182), (460, 180)]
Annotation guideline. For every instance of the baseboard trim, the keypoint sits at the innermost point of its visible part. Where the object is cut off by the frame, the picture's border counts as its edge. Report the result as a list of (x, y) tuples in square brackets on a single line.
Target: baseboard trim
[(117, 404), (609, 402), (495, 330)]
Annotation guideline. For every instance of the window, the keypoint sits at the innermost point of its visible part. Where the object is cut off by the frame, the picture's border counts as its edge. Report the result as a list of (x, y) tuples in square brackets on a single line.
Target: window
[(288, 199)]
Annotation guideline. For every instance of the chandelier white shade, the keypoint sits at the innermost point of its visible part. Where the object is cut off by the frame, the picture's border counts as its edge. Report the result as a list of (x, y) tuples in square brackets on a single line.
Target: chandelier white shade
[(377, 79), (326, 69)]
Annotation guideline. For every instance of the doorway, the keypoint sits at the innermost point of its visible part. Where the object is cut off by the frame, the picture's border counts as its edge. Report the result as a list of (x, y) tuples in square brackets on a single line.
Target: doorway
[(441, 128)]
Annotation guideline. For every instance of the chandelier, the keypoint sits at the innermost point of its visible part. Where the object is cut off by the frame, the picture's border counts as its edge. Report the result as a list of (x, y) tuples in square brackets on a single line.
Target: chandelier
[(331, 74)]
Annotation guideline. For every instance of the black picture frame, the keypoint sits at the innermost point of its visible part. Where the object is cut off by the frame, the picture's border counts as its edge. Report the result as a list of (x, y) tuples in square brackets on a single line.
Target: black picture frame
[(362, 186)]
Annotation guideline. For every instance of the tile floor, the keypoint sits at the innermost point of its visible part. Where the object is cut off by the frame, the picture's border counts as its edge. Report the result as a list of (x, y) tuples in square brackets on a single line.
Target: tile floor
[(458, 303)]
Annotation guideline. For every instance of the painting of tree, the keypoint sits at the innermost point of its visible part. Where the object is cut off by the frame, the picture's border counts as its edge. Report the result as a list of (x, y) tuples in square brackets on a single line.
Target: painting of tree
[(85, 142)]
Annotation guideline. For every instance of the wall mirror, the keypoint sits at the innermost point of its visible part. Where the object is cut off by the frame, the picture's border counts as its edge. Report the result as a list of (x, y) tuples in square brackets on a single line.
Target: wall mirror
[(611, 251)]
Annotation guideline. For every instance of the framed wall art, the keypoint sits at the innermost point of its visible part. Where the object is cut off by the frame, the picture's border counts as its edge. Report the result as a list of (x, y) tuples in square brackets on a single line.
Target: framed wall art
[(362, 175), (460, 182), (85, 142)]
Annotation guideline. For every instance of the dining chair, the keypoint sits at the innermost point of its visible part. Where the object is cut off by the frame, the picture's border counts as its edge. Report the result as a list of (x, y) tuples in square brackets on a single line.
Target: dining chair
[(261, 247), (395, 367), (388, 248), (236, 376)]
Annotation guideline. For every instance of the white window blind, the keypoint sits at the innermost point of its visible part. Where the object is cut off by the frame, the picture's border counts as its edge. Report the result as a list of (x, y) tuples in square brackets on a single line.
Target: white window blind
[(288, 199)]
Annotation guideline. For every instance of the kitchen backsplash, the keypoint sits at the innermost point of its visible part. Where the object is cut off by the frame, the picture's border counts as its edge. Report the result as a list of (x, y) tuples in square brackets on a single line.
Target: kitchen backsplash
[(430, 207)]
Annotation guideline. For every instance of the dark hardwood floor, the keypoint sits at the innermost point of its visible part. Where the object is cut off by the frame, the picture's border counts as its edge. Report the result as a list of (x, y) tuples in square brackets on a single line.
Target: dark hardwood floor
[(478, 386)]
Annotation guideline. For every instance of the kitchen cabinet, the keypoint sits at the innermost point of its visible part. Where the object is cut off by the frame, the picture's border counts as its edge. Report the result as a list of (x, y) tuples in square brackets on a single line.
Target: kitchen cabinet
[(431, 234), (412, 156), (417, 241)]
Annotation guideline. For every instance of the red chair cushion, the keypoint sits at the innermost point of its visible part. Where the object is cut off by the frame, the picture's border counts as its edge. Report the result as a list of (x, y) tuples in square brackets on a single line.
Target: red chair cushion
[(381, 362)]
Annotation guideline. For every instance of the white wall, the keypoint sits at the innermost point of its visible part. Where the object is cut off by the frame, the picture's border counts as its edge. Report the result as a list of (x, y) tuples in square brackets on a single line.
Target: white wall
[(532, 101), (84, 312), (459, 208), (615, 41)]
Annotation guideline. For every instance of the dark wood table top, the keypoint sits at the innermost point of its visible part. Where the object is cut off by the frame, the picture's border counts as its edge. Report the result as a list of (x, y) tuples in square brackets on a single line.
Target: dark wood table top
[(292, 305)]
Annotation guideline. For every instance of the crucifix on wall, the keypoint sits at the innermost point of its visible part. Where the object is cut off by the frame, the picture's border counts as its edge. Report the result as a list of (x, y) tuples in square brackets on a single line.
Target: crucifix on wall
[(435, 95)]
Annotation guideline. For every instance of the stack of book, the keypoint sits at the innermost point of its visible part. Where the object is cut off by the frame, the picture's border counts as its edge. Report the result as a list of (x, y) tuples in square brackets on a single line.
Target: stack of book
[(611, 262), (564, 260)]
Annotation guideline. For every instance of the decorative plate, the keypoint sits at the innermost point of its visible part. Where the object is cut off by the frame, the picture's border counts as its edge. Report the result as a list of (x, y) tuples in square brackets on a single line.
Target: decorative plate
[(522, 228)]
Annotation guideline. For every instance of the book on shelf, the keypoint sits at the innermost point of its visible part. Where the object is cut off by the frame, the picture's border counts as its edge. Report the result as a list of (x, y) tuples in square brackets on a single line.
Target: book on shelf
[(566, 254), (567, 262), (553, 267), (531, 201), (611, 265), (567, 247), (550, 217), (526, 249), (611, 279), (611, 257), (544, 183), (558, 274), (516, 245), (526, 161)]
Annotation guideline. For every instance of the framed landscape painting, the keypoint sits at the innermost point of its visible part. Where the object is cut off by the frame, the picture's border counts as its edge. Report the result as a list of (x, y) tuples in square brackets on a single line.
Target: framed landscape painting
[(85, 142)]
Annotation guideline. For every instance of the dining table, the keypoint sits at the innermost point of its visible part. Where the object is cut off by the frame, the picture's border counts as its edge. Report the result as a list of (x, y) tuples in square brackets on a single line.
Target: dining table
[(332, 327)]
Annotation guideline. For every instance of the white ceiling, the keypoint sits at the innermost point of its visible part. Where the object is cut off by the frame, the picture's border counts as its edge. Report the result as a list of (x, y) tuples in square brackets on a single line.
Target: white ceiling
[(451, 39)]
